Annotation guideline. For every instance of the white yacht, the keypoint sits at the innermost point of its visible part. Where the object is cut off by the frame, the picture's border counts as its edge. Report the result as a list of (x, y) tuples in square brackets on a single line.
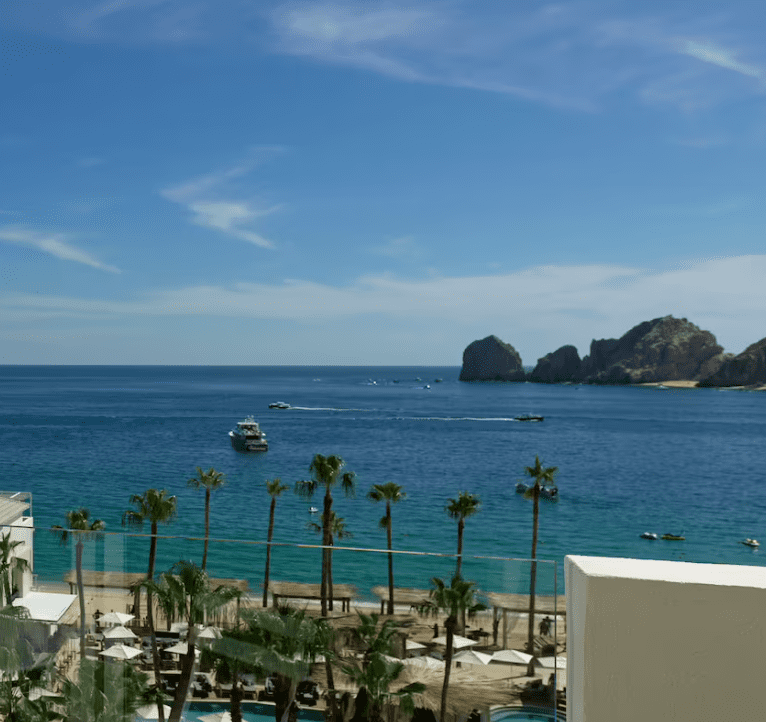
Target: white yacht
[(247, 436)]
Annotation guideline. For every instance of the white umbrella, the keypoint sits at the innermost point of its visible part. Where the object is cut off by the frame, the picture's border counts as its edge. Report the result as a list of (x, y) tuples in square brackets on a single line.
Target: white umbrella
[(120, 651), (117, 618), (224, 716), (150, 711), (511, 656), (209, 633), (180, 648), (179, 628), (550, 662), (458, 642), (423, 663), (469, 656), (119, 633)]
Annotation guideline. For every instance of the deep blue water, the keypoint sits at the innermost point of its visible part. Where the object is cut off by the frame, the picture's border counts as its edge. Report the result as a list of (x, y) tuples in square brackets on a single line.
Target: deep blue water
[(630, 460)]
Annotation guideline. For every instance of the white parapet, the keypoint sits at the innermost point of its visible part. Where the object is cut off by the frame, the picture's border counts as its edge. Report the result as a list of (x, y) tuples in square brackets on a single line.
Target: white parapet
[(651, 640)]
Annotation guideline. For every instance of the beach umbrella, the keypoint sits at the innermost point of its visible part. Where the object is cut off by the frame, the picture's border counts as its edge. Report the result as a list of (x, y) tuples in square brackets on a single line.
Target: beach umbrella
[(224, 716), (411, 645), (180, 648), (423, 663), (150, 711), (117, 618), (458, 642), (119, 633), (120, 651), (179, 628), (549, 662), (511, 656), (209, 633), (470, 656)]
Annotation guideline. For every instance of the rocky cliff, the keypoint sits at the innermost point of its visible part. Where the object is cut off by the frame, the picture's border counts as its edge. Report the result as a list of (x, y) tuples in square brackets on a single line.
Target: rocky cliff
[(558, 367), (491, 360), (745, 369), (664, 349)]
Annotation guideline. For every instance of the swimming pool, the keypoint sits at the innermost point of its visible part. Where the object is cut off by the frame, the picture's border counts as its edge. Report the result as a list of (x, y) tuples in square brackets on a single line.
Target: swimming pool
[(518, 714), (251, 711)]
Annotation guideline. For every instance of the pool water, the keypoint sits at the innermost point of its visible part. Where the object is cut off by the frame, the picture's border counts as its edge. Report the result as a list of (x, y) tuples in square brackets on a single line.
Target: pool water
[(251, 711), (518, 714)]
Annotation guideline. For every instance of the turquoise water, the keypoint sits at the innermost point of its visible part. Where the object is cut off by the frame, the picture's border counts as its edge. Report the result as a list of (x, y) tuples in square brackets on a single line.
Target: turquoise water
[(517, 714), (251, 711), (630, 460)]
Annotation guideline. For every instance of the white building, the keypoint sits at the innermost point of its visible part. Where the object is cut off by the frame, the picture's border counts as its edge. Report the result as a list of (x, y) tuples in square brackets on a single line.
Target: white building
[(16, 521)]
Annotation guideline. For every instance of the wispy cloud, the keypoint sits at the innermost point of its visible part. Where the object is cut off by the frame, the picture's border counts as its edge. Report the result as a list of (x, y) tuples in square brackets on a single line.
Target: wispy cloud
[(209, 200), (54, 244), (720, 56), (547, 306)]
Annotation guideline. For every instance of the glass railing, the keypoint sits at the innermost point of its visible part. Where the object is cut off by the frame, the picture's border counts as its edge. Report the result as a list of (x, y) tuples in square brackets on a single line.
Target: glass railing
[(500, 646)]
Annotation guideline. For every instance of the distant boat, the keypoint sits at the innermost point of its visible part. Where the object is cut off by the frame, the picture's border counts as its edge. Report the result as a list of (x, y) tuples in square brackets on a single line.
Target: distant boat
[(649, 535), (438, 381), (529, 417), (279, 405), (754, 543), (521, 487), (247, 436), (313, 510), (674, 537)]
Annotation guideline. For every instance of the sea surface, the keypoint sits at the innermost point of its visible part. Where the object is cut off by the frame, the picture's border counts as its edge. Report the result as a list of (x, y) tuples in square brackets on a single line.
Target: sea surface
[(629, 460)]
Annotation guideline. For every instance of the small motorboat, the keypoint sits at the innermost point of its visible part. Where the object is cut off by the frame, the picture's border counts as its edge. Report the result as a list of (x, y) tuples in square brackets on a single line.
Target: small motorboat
[(674, 537), (529, 417), (754, 543), (521, 487), (550, 492), (313, 510), (279, 405), (649, 535)]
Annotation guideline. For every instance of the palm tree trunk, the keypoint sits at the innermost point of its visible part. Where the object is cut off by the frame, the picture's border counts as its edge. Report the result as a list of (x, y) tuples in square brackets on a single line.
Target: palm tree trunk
[(332, 702), (390, 561), (326, 514), (533, 575), (460, 527), (329, 574), (150, 618), (268, 552), (450, 624), (236, 694), (207, 528), (187, 668), (81, 594)]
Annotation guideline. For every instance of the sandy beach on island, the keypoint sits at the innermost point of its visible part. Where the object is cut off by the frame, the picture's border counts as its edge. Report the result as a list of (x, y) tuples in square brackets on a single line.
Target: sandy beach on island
[(686, 384)]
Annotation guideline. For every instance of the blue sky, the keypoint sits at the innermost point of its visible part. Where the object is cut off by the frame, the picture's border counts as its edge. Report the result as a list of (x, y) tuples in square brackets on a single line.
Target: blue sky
[(254, 182)]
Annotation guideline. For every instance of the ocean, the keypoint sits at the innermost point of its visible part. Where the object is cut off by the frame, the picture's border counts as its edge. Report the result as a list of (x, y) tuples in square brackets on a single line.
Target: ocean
[(629, 460)]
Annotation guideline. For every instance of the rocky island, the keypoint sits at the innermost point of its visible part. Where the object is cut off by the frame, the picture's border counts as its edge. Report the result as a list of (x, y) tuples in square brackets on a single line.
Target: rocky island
[(661, 350), (491, 360)]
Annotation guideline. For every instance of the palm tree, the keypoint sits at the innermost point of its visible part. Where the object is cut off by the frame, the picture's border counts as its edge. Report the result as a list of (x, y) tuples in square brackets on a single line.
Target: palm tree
[(189, 592), (326, 471), (284, 644), (465, 505), (156, 507), (78, 522), (209, 480), (392, 494), (337, 531), (542, 477), (377, 670), (274, 488), (456, 601), (9, 562)]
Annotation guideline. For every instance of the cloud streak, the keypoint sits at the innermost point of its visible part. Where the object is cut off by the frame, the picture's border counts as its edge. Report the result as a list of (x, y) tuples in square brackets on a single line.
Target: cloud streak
[(54, 244), (552, 304), (208, 199)]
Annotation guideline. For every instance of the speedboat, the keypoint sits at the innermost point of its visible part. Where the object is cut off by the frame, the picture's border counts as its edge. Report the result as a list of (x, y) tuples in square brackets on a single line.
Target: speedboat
[(674, 537), (550, 492), (313, 510), (754, 543), (649, 535), (247, 436), (529, 417), (279, 405), (521, 488)]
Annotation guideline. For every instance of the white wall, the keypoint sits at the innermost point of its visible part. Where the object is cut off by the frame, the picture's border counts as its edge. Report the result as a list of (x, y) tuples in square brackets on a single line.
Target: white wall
[(22, 530), (656, 640)]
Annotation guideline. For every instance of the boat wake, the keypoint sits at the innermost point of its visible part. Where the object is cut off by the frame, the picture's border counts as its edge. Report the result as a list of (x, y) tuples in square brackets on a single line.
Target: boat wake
[(457, 418), (322, 408)]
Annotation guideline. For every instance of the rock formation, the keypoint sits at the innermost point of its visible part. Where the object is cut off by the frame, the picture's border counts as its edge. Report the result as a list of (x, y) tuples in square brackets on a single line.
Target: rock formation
[(491, 360), (745, 369), (664, 349), (558, 367)]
